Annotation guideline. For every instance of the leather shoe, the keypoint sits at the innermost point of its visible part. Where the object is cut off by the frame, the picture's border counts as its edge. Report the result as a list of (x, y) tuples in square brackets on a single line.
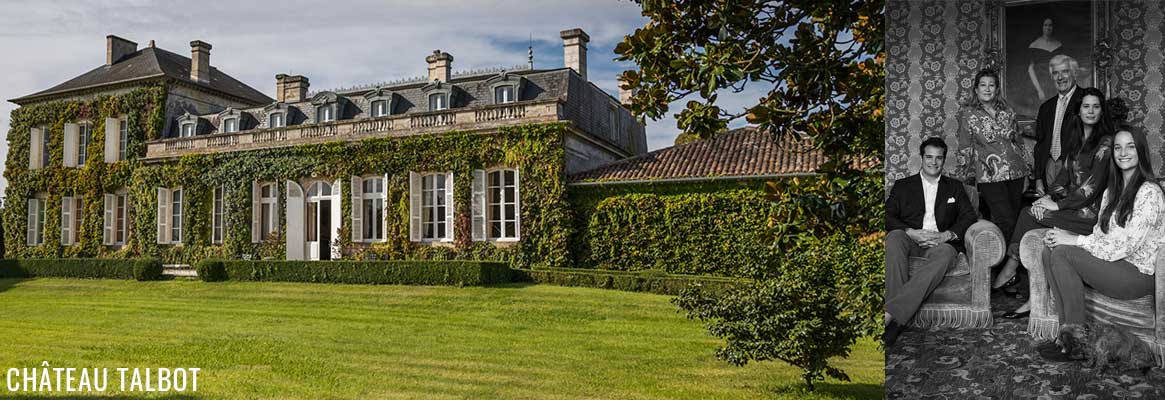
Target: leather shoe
[(1010, 282), (892, 332), (1016, 315)]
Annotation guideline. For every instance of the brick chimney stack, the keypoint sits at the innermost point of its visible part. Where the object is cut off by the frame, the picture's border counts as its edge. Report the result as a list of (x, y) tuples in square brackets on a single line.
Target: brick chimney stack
[(291, 88), (117, 48), (200, 61), (624, 94), (440, 66), (574, 50)]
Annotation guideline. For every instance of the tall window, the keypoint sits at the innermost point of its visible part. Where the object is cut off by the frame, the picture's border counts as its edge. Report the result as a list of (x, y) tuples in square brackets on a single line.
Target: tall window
[(218, 216), (187, 129), (275, 120), (438, 101), (44, 156), (123, 138), (372, 205), (325, 113), (84, 131), (71, 217), (503, 94), (379, 108), (502, 204), (230, 125), (36, 208), (433, 207), (267, 211), (116, 218), (176, 216)]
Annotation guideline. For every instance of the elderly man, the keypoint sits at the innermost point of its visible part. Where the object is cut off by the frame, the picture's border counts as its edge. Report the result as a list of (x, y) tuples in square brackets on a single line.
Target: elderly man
[(1053, 119), (927, 215)]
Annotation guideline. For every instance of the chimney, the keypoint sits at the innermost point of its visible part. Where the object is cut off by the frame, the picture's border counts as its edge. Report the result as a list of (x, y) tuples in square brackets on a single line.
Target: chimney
[(624, 94), (440, 64), (200, 61), (117, 48), (290, 88), (574, 50)]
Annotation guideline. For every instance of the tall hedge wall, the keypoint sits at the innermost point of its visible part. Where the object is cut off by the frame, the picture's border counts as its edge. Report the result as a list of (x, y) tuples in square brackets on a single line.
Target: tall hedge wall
[(535, 150)]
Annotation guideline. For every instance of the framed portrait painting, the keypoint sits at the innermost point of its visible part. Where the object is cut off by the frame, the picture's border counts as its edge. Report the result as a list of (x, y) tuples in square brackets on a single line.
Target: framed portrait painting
[(1033, 32)]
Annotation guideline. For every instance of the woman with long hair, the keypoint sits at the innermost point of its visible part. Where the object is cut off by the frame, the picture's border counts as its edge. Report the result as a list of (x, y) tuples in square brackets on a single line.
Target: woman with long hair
[(1073, 198), (1117, 258)]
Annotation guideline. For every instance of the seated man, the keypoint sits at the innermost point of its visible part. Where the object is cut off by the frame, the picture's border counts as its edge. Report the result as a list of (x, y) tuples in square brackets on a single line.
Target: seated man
[(926, 216)]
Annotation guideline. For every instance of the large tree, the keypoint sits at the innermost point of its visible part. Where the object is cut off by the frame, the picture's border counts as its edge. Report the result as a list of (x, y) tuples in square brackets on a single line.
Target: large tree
[(820, 65)]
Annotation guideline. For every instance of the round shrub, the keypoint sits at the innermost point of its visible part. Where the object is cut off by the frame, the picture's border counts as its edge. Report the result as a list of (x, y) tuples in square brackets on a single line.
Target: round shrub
[(211, 270), (147, 269)]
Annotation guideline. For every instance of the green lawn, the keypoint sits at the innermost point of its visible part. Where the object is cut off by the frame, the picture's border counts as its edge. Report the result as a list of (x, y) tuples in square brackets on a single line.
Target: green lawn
[(315, 341)]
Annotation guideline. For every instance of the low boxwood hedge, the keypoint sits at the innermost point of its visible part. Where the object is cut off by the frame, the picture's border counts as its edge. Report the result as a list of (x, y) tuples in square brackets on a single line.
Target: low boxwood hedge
[(420, 272), (87, 268), (653, 281)]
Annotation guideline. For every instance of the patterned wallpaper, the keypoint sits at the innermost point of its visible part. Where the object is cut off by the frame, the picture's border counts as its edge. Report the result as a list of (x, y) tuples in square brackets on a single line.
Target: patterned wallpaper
[(934, 48)]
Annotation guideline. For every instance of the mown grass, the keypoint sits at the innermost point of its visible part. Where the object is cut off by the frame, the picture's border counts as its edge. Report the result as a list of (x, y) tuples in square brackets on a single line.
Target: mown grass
[(313, 341)]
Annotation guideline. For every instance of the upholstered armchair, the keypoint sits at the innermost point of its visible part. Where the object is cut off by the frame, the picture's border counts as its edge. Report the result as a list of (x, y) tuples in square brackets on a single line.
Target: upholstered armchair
[(1142, 317), (963, 299)]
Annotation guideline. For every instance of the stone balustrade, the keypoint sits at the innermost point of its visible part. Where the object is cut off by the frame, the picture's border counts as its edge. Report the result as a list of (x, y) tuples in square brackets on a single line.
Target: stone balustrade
[(477, 118)]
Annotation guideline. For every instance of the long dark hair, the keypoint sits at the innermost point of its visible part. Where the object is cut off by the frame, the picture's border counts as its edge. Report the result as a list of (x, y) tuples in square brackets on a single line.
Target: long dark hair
[(1103, 127), (1122, 204)]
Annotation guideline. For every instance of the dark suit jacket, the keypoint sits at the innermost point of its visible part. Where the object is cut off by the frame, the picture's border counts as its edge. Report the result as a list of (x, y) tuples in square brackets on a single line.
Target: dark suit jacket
[(905, 208), (1044, 127)]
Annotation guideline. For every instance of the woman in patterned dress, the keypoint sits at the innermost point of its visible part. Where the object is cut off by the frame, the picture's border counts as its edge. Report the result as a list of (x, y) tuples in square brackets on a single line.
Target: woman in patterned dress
[(1072, 202), (989, 146), (1117, 258)]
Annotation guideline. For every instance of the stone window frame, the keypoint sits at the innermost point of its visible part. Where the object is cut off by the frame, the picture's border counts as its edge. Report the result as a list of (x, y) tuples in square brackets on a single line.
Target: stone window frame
[(273, 109), (330, 100), (444, 89), (517, 83), (380, 94), (191, 120)]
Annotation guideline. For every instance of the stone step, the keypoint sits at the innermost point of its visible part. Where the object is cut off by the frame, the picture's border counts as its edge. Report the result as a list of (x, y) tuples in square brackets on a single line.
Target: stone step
[(179, 270)]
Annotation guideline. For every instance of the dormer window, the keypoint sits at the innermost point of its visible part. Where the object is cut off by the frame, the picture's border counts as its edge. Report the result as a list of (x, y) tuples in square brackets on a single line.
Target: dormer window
[(187, 129), (438, 101), (275, 120), (379, 108), (325, 113), (230, 125), (503, 94)]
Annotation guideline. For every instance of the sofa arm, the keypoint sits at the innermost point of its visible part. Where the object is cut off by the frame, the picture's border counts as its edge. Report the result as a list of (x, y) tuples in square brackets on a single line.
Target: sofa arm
[(1159, 297), (1043, 323), (985, 247)]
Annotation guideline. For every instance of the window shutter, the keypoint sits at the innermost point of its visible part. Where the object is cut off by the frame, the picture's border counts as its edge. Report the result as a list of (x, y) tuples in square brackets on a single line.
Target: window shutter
[(70, 145), (112, 134), (163, 215), (256, 214), (357, 209), (66, 221), (293, 241), (384, 210), (35, 141), (31, 239), (414, 206), (110, 203), (449, 210), (337, 219), (517, 205), (477, 205)]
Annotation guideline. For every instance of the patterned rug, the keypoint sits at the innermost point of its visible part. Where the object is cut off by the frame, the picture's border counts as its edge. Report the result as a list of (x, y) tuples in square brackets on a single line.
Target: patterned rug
[(1000, 363)]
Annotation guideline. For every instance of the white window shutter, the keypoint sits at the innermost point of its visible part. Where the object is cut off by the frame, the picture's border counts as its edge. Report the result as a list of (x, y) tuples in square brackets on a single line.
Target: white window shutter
[(449, 209), (32, 214), (110, 203), (414, 206), (337, 219), (384, 210), (256, 214), (66, 221), (357, 209), (163, 215), (70, 145), (477, 205), (35, 141), (517, 205), (112, 134)]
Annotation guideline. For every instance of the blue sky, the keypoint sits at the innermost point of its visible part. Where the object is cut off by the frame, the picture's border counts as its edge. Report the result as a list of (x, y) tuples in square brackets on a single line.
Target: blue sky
[(343, 43)]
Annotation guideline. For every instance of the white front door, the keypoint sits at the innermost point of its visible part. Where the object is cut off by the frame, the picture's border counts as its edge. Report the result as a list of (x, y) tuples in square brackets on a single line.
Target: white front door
[(319, 221)]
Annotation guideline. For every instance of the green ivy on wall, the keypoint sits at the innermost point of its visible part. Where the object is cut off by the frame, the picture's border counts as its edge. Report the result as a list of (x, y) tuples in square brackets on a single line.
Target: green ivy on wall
[(535, 150)]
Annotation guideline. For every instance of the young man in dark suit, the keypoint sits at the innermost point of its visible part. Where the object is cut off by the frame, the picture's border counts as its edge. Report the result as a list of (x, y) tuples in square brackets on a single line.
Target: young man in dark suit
[(927, 215), (1053, 120)]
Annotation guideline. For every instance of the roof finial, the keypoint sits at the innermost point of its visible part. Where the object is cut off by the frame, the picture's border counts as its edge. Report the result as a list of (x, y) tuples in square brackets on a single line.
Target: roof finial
[(530, 53)]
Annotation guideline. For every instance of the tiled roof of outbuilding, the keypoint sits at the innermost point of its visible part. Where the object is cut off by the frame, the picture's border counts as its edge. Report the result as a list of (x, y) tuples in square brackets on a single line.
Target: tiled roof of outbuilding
[(149, 63), (740, 152)]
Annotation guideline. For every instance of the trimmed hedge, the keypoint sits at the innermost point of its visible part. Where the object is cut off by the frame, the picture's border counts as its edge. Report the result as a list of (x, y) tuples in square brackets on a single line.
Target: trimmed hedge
[(86, 268), (419, 272), (210, 270), (653, 281)]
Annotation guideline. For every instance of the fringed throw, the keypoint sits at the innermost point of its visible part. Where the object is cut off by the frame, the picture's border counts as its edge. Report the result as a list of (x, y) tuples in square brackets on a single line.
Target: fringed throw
[(1043, 329), (952, 318)]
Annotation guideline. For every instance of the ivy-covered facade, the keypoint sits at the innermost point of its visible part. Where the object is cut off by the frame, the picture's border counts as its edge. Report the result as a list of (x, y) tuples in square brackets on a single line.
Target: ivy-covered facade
[(171, 164)]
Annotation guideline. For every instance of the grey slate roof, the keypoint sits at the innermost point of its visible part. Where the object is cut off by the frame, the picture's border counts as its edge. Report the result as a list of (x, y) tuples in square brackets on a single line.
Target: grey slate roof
[(150, 63)]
